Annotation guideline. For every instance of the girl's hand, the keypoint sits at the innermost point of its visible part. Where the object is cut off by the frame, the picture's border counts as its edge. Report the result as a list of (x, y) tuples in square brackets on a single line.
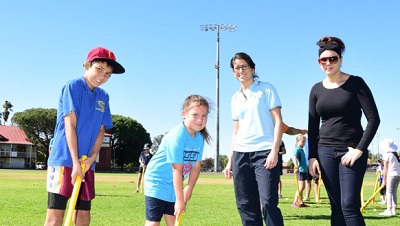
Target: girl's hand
[(228, 170), (180, 207), (351, 157)]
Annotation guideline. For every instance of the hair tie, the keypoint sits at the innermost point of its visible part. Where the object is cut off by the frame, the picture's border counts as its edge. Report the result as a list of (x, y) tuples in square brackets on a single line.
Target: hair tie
[(329, 46)]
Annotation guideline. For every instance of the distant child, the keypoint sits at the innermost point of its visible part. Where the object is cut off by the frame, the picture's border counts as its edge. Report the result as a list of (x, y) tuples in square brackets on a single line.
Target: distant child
[(391, 175), (144, 159), (282, 151), (379, 170), (83, 115), (178, 157), (300, 166)]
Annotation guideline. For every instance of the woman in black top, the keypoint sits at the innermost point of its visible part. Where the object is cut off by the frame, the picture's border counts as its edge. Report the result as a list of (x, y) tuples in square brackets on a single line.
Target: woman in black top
[(338, 148)]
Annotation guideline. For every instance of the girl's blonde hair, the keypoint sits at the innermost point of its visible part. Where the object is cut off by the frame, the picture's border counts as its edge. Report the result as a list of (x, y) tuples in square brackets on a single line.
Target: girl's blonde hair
[(300, 137)]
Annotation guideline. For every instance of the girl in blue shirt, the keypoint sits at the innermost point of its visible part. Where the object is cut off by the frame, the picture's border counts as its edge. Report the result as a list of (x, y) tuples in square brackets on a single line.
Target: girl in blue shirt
[(178, 157)]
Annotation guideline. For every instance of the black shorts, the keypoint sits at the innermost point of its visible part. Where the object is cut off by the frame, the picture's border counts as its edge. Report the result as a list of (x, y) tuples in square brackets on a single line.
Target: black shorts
[(310, 177), (156, 208), (57, 201), (302, 176)]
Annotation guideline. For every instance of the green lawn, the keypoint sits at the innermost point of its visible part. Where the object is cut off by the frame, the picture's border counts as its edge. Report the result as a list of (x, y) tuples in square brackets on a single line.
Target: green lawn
[(24, 201)]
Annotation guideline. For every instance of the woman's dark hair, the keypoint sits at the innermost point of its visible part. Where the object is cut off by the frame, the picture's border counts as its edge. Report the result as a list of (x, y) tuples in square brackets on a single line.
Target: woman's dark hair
[(246, 58), (199, 100)]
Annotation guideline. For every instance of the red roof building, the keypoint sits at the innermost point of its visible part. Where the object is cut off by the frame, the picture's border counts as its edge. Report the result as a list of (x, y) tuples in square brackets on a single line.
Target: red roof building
[(16, 151)]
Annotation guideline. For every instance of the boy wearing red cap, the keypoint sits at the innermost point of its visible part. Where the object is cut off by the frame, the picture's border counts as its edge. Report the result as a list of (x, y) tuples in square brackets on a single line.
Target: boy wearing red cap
[(83, 115)]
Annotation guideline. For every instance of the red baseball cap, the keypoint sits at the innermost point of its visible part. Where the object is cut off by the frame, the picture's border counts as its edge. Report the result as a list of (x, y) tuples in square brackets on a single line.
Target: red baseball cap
[(107, 55)]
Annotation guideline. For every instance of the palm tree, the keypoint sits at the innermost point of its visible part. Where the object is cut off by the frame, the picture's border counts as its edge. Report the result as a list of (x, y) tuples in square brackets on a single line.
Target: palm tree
[(7, 108)]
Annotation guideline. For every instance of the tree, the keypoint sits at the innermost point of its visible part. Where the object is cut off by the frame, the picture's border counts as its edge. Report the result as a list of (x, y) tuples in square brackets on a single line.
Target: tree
[(156, 143), (128, 139), (223, 160), (207, 164), (38, 125), (290, 164), (7, 108)]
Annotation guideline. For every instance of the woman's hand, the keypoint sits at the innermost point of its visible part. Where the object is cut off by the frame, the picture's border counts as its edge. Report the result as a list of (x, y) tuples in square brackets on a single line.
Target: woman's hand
[(313, 167), (272, 160), (351, 157)]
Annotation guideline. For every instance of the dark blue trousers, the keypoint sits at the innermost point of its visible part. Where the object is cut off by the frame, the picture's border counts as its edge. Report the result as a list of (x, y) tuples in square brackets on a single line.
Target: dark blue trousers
[(252, 183), (343, 185)]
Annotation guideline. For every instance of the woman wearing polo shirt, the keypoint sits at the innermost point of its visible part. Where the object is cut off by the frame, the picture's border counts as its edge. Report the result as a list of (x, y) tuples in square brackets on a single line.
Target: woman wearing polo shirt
[(257, 132)]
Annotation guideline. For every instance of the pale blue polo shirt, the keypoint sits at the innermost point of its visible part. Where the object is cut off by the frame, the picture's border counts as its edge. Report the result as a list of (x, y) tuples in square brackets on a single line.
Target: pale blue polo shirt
[(256, 126), (177, 147), (92, 110)]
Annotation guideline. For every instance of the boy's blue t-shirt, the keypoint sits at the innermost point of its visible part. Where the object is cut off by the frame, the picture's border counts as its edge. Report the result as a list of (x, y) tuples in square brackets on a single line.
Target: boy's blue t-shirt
[(177, 147), (301, 159), (92, 110)]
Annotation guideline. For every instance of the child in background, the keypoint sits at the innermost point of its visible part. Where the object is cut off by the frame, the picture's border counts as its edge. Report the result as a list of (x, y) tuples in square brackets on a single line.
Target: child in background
[(379, 169), (391, 175), (144, 159), (178, 157), (300, 165)]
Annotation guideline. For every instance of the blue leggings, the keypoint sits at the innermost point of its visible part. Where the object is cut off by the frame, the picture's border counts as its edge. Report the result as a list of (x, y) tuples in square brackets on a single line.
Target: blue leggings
[(343, 185)]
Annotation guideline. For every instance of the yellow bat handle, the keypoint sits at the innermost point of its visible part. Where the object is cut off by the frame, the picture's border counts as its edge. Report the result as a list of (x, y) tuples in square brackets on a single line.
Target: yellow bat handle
[(178, 221), (318, 196), (74, 196), (378, 174), (370, 199)]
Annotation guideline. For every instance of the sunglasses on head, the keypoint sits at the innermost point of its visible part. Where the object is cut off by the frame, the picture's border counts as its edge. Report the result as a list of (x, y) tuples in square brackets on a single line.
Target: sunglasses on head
[(332, 60)]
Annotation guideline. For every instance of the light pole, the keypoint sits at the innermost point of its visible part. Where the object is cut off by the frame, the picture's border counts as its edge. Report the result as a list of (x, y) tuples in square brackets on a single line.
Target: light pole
[(217, 27)]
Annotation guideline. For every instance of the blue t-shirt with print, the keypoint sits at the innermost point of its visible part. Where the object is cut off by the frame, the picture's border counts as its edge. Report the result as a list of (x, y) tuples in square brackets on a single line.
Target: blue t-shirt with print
[(92, 110), (177, 147)]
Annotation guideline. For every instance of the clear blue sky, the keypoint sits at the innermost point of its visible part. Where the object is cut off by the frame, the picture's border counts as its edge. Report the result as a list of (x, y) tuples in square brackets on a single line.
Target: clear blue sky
[(167, 57)]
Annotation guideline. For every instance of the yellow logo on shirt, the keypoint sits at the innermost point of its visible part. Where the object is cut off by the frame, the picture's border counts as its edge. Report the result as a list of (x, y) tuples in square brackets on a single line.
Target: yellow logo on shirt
[(101, 106)]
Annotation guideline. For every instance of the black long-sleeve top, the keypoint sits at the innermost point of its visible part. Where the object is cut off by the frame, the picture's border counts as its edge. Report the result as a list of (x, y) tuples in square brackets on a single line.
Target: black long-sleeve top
[(339, 111)]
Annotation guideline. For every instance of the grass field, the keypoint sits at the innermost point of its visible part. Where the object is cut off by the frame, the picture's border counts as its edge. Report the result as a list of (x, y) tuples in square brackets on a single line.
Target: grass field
[(24, 201)]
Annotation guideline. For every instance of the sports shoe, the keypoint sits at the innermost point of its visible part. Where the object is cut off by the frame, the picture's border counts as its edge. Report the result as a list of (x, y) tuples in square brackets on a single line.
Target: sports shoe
[(137, 191), (386, 213), (303, 205), (280, 196), (295, 205), (306, 199)]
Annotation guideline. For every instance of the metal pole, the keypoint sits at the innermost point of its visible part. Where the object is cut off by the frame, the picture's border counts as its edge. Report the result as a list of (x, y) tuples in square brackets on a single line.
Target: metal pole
[(216, 165), (218, 28)]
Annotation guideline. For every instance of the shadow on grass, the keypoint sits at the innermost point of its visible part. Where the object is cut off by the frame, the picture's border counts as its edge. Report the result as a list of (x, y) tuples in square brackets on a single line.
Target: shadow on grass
[(307, 217), (110, 195)]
